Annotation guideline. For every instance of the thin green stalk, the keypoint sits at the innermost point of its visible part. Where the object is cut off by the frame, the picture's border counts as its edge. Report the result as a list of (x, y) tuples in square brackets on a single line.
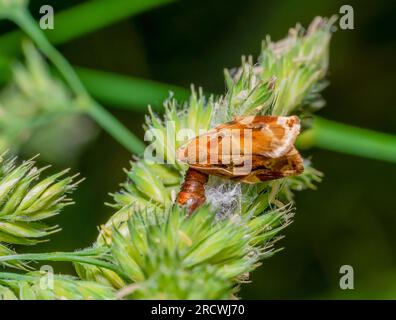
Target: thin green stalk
[(26, 22), (96, 14), (113, 127), (347, 139), (61, 256), (128, 92), (103, 117), (15, 276)]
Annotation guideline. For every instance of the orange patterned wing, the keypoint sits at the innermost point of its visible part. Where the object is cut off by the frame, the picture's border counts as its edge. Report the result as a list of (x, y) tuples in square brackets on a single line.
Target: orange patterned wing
[(271, 136), (261, 169), (250, 149)]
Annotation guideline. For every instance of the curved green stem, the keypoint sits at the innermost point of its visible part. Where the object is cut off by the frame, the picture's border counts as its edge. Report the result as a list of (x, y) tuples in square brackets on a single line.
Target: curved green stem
[(26, 22), (97, 14), (128, 92), (102, 116), (113, 127)]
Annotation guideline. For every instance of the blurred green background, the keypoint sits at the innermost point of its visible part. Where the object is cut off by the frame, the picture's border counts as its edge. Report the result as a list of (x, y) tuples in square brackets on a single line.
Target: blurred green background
[(349, 220)]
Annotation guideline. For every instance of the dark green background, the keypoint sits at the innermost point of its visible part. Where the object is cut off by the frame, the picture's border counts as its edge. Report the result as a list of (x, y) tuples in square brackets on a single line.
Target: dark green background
[(350, 219)]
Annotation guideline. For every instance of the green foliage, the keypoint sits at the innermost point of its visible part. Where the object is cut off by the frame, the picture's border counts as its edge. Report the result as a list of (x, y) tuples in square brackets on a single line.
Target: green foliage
[(38, 286), (21, 16), (24, 202), (32, 99), (152, 241), (167, 245), (252, 89), (151, 248), (11, 7), (6, 251), (299, 64), (97, 14), (288, 75), (36, 107)]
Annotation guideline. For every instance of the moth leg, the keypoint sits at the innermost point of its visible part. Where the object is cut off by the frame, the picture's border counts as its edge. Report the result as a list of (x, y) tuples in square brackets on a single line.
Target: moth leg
[(272, 195)]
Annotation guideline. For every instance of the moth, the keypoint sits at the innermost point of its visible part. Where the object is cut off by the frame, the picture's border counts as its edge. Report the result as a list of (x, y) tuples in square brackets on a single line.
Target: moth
[(249, 149)]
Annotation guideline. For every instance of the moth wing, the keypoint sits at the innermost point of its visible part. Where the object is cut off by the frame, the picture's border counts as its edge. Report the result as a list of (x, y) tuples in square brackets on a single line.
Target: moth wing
[(256, 168), (224, 172), (196, 150), (267, 136), (267, 169), (272, 137)]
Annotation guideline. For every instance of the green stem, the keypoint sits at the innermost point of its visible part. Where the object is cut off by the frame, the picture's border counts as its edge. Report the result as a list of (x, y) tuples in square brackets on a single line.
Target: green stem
[(128, 92), (113, 127), (102, 116), (26, 22), (69, 25), (347, 139), (15, 276), (61, 256)]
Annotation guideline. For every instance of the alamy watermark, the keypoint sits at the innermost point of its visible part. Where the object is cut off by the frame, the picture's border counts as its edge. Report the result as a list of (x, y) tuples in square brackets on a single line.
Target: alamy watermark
[(47, 278), (47, 21), (347, 17), (347, 280)]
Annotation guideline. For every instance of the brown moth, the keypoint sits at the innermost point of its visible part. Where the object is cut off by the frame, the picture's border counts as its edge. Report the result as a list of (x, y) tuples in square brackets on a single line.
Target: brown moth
[(249, 149)]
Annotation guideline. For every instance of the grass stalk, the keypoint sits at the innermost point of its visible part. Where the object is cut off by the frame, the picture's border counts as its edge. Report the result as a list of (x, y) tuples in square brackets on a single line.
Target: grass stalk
[(128, 92), (334, 136), (97, 14), (104, 118), (60, 256)]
